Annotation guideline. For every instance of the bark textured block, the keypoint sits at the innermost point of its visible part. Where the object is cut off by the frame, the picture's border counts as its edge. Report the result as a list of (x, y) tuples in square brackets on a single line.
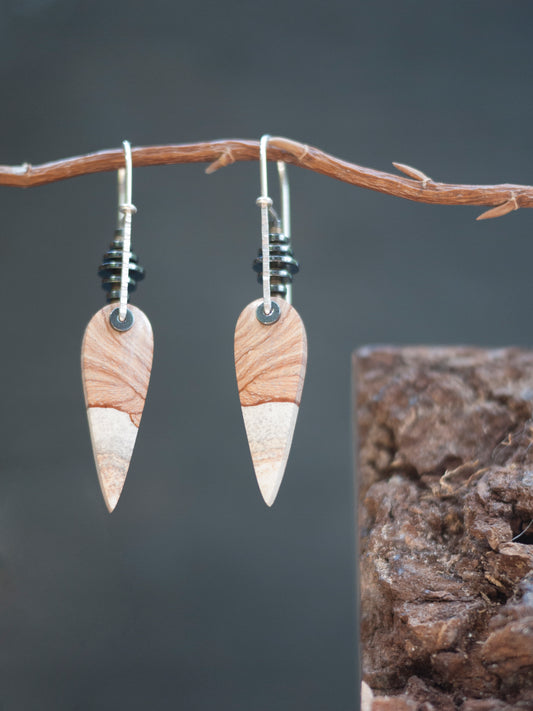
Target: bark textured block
[(445, 466)]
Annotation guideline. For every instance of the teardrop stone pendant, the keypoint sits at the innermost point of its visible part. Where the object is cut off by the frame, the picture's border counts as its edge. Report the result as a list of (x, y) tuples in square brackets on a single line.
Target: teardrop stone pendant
[(270, 362), (116, 367)]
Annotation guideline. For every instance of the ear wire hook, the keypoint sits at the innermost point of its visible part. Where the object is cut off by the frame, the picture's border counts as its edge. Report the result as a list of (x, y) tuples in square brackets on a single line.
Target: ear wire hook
[(265, 203), (285, 213), (121, 185), (126, 209), (269, 313), (285, 198)]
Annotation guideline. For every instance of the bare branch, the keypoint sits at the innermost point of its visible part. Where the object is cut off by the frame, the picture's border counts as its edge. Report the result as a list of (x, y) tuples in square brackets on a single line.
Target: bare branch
[(418, 187)]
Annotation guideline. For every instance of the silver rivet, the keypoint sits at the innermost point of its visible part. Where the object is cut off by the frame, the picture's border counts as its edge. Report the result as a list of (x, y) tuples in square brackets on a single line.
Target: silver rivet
[(119, 325), (272, 317)]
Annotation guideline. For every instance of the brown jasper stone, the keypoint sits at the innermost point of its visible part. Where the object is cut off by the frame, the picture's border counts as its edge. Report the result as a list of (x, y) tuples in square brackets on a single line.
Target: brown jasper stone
[(270, 360)]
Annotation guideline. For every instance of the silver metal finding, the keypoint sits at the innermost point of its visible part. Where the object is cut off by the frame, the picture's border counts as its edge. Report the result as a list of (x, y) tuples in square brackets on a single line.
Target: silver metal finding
[(121, 185), (285, 213), (267, 319), (265, 203), (126, 208), (285, 198), (117, 324)]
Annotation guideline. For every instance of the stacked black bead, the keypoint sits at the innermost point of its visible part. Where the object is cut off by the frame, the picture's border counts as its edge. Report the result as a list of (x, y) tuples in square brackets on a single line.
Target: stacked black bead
[(283, 265), (111, 269)]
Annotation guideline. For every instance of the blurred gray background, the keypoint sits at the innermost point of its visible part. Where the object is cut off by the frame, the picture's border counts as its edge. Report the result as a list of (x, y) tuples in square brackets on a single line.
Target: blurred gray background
[(193, 594)]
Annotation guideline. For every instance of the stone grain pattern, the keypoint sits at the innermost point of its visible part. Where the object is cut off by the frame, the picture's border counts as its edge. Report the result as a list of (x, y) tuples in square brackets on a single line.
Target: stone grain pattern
[(116, 369), (445, 466), (270, 363)]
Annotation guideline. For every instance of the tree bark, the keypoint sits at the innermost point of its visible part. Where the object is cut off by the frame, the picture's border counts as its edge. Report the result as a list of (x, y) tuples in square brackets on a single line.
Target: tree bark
[(445, 467)]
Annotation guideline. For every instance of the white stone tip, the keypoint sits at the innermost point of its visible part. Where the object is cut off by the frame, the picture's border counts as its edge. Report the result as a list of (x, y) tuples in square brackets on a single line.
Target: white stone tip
[(269, 488), (110, 501), (113, 437), (270, 427)]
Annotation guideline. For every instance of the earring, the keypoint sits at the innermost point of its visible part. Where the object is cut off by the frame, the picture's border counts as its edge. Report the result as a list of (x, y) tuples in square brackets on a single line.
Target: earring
[(116, 355), (271, 345)]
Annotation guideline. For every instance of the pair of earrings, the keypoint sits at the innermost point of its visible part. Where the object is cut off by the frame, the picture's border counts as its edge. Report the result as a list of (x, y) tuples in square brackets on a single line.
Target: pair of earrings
[(270, 350)]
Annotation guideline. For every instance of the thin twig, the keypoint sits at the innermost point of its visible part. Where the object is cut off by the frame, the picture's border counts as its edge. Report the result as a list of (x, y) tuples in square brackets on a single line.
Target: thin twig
[(418, 187), (500, 210), (413, 173)]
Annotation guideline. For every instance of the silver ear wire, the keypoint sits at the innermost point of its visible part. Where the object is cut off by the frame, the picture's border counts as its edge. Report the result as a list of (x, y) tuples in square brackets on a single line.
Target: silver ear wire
[(121, 185), (123, 320), (275, 263), (265, 203), (285, 192)]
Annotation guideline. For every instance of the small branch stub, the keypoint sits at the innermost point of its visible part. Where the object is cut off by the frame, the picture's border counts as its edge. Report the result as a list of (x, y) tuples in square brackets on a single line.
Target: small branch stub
[(225, 159), (500, 210), (413, 173)]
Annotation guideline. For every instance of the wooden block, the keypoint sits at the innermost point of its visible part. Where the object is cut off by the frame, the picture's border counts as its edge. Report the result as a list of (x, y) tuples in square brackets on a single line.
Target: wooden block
[(116, 367), (270, 362)]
